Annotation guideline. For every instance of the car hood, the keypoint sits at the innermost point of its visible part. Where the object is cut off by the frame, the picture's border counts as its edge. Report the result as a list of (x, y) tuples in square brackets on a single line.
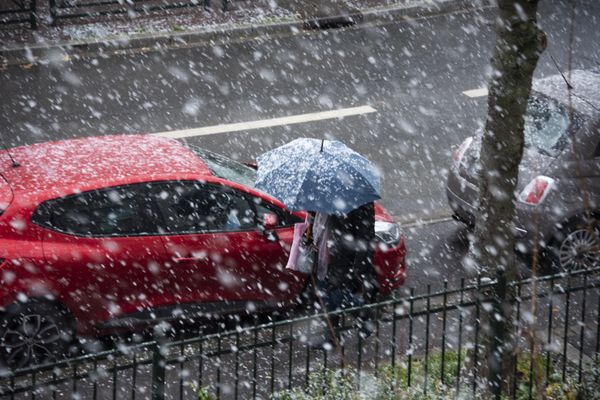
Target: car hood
[(532, 164)]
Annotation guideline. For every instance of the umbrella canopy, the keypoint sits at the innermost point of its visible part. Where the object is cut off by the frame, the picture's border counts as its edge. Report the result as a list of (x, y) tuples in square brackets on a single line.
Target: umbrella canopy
[(318, 175)]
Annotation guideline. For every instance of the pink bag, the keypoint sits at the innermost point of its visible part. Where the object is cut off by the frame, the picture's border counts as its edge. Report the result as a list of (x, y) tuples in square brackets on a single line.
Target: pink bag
[(299, 260)]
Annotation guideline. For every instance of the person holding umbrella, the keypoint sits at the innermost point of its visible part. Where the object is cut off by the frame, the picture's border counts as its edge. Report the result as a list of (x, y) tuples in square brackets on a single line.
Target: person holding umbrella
[(338, 187), (345, 257)]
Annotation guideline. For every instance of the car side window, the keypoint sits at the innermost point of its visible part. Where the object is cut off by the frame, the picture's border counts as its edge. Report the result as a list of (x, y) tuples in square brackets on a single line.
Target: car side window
[(196, 207), (284, 218), (118, 211)]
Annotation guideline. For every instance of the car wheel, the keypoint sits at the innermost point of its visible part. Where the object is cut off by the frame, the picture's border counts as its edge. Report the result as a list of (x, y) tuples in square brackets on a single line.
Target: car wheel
[(576, 247), (34, 333)]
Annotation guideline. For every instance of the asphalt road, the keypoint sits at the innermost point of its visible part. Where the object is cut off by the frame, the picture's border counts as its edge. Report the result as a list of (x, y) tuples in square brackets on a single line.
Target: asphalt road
[(412, 73)]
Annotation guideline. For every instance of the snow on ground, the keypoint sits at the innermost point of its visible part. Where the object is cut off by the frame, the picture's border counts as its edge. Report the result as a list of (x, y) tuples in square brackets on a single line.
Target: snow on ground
[(190, 19)]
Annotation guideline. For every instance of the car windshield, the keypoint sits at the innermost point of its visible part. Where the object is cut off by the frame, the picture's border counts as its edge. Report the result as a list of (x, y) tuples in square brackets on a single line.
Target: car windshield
[(546, 125), (226, 168)]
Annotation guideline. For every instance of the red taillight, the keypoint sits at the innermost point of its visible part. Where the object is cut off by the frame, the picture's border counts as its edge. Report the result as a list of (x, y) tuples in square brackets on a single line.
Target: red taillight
[(536, 194), (536, 190)]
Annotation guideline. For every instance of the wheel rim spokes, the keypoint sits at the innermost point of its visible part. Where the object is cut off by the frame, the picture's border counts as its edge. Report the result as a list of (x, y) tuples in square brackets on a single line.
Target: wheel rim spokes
[(20, 358), (30, 340), (581, 249), (30, 325), (48, 334), (12, 339), (42, 352)]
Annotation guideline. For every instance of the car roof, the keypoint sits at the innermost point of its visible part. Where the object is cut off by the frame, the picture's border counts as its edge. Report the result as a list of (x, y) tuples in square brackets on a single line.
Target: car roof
[(585, 94), (58, 168)]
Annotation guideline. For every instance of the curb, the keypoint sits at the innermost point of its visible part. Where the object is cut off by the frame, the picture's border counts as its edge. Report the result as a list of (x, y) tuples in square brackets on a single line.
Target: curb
[(428, 8), (157, 41), (428, 217)]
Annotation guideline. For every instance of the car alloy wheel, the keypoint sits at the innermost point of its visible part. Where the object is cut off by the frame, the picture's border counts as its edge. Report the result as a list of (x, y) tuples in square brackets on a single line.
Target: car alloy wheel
[(580, 250), (31, 339), (33, 333)]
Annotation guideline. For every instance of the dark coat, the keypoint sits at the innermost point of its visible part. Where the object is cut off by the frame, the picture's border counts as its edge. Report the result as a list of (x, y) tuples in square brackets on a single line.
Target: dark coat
[(352, 241)]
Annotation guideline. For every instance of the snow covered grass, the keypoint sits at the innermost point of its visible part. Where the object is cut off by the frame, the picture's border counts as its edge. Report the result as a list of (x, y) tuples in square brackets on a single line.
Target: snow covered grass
[(391, 383)]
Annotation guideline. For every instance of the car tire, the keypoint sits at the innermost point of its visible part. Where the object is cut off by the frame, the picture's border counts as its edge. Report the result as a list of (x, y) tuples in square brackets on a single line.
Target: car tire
[(576, 246), (35, 332)]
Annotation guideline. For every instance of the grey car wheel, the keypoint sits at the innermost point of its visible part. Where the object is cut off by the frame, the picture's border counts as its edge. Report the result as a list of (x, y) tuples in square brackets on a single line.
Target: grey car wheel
[(34, 333), (576, 246)]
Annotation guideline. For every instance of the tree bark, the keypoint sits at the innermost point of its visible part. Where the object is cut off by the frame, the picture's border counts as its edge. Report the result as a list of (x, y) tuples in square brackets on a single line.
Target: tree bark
[(519, 43)]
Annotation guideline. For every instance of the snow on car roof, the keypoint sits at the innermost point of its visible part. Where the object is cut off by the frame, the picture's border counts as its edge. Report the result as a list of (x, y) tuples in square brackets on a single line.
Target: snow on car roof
[(98, 161), (585, 94)]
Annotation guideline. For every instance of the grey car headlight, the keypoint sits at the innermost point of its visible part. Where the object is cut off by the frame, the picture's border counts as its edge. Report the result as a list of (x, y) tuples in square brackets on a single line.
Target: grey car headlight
[(388, 233)]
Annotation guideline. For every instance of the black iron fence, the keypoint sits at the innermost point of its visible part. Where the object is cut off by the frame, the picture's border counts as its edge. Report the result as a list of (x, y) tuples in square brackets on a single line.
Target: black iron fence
[(25, 12), (429, 338), (18, 12), (69, 9)]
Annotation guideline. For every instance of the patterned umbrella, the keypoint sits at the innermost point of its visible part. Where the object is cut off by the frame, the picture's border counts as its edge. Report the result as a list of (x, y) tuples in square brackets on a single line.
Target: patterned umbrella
[(318, 175)]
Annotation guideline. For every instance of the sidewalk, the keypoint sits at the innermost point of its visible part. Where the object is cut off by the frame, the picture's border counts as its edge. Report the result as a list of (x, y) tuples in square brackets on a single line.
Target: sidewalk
[(244, 18)]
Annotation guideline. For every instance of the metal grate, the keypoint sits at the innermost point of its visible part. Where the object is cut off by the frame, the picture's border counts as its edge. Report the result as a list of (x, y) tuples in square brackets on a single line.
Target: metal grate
[(18, 12), (70, 9)]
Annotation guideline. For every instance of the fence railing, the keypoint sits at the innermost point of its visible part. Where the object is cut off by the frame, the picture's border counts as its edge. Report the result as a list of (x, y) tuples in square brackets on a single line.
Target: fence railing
[(69, 9), (430, 337), (18, 12)]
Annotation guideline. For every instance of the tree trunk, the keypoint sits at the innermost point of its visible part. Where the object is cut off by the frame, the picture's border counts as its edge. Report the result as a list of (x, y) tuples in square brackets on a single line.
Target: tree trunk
[(519, 43)]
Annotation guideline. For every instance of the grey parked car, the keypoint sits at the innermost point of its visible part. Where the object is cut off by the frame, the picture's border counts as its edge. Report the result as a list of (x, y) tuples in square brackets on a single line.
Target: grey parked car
[(551, 178)]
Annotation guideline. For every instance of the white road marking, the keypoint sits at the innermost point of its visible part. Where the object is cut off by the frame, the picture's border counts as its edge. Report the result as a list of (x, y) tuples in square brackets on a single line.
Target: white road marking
[(420, 223), (476, 92), (267, 123)]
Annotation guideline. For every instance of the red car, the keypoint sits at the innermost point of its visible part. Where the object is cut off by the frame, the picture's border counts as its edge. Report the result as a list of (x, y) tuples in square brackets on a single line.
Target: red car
[(106, 234)]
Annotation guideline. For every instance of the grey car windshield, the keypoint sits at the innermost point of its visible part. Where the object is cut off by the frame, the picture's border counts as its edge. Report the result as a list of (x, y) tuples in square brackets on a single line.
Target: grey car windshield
[(226, 168), (546, 125)]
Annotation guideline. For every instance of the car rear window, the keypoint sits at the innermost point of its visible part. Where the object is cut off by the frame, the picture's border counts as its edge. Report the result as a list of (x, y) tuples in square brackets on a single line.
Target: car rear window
[(6, 195), (547, 125), (226, 168)]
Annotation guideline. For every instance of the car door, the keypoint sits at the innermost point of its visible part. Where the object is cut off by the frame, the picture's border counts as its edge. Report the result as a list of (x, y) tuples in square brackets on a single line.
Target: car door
[(102, 247), (583, 169), (590, 167), (218, 249)]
